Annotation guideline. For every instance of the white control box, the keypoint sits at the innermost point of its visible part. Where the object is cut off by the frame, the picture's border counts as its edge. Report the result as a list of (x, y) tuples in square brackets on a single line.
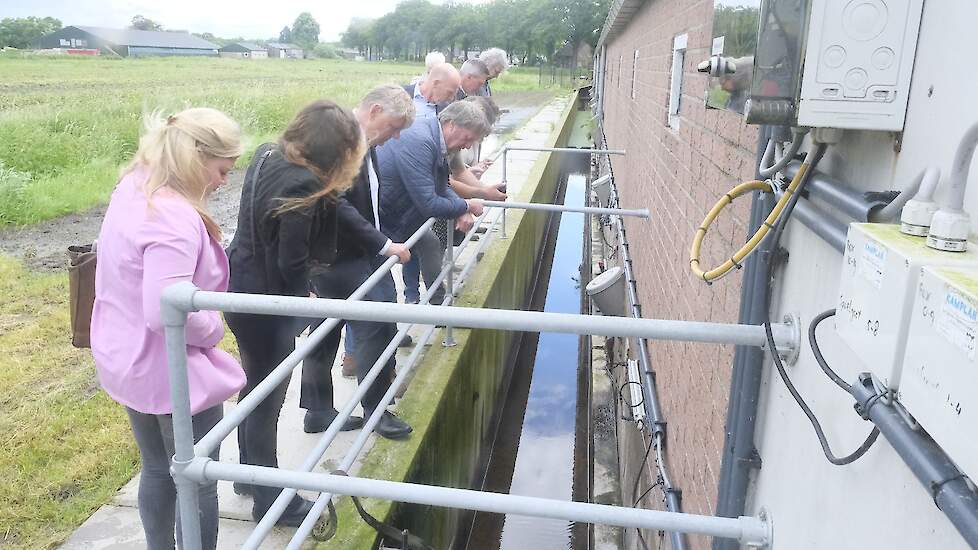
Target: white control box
[(880, 274), (858, 63), (940, 373)]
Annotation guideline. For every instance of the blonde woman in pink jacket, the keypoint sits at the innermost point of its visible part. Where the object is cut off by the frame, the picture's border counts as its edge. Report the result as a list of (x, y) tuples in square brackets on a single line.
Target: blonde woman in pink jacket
[(157, 232)]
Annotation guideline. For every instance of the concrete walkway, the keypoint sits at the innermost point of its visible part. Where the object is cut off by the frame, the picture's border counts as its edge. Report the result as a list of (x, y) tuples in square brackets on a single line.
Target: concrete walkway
[(117, 526)]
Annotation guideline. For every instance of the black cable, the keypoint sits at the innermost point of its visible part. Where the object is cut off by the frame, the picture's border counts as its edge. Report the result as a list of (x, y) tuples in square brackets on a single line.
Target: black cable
[(638, 477), (818, 352), (772, 346)]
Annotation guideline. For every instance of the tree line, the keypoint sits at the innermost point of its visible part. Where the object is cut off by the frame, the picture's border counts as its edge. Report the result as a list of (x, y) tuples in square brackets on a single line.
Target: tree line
[(24, 32), (531, 31)]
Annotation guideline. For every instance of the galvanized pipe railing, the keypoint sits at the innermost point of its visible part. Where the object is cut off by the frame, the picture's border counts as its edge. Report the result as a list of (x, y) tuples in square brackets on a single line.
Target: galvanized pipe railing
[(637, 213), (749, 530), (222, 429), (507, 148), (785, 335), (190, 460), (279, 506)]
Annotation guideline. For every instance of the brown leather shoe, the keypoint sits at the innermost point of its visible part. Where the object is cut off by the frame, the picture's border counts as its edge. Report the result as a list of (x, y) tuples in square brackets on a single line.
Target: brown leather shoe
[(349, 367)]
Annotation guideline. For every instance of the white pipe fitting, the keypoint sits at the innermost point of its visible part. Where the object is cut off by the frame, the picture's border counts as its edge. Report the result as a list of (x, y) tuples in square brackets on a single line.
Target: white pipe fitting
[(951, 224), (915, 219)]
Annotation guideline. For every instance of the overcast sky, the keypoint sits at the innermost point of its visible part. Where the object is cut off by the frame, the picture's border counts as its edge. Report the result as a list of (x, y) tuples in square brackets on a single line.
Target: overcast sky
[(225, 18)]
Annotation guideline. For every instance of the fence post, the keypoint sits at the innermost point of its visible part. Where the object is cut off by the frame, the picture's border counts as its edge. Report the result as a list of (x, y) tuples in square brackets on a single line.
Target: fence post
[(449, 340)]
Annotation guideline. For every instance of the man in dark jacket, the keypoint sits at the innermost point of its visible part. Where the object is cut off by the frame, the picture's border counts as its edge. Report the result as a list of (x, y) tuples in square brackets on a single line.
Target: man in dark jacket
[(361, 249)]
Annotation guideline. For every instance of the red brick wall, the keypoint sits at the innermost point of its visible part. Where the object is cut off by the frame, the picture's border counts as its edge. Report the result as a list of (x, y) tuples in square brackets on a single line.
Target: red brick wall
[(679, 174)]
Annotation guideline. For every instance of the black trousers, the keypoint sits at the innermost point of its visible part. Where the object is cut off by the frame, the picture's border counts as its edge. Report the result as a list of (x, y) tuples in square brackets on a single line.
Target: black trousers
[(263, 342), (338, 282)]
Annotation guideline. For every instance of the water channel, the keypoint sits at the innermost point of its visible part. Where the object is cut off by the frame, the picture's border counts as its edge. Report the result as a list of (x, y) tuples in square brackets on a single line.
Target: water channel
[(534, 450)]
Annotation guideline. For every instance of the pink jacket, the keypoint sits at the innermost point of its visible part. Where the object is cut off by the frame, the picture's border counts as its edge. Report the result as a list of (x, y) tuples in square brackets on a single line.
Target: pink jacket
[(142, 249)]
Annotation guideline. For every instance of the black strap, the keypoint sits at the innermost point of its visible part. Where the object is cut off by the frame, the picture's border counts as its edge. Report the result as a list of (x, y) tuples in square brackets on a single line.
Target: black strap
[(407, 540), (254, 215)]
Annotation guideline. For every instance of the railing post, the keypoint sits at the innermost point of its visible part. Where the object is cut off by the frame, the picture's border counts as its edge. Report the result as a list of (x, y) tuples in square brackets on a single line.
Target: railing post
[(502, 223), (174, 322), (449, 340)]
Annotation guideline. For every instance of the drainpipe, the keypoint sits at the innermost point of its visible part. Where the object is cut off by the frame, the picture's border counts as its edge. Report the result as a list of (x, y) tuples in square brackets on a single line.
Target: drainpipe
[(952, 491), (739, 457), (650, 397)]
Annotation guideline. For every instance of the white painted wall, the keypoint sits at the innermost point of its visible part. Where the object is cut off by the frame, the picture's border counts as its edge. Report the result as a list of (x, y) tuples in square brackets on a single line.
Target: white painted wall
[(875, 502)]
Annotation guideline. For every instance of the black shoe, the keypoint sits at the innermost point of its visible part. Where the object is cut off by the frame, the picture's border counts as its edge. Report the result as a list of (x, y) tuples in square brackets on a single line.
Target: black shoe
[(243, 489), (297, 511), (318, 421), (406, 342), (392, 427)]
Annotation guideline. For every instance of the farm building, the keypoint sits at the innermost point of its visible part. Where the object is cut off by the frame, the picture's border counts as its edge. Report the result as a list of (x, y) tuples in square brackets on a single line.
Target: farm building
[(128, 42), (278, 50), (244, 50), (740, 442)]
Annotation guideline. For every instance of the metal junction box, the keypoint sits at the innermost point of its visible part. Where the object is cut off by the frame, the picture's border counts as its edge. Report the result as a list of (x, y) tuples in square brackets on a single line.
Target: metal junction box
[(880, 273), (940, 373), (858, 63)]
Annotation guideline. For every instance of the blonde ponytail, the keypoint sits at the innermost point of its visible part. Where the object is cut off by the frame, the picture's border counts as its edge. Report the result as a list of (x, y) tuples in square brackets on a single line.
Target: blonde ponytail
[(173, 149)]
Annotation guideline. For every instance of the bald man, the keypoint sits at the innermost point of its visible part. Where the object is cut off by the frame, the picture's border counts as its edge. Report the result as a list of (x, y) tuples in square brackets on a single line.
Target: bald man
[(436, 90)]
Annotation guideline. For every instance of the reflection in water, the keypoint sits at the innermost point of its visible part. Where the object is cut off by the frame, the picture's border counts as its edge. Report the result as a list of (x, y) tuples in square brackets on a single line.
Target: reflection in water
[(545, 458)]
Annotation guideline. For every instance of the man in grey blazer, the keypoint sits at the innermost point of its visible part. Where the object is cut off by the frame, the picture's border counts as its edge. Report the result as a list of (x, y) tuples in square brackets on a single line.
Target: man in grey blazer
[(414, 174)]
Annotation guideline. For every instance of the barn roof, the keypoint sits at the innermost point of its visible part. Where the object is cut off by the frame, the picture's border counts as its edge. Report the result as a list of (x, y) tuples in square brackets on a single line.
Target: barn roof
[(282, 46), (154, 39), (246, 45)]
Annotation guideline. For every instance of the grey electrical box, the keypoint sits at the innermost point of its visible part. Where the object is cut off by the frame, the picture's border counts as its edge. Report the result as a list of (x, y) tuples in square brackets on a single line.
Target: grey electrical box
[(778, 59), (732, 53)]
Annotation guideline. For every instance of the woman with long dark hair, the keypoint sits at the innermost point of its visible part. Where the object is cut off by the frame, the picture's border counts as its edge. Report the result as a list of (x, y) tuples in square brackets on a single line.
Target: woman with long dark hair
[(287, 223)]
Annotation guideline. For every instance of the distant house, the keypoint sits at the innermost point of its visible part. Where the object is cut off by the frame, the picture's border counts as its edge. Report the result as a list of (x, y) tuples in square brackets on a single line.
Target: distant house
[(128, 42), (278, 50), (244, 50)]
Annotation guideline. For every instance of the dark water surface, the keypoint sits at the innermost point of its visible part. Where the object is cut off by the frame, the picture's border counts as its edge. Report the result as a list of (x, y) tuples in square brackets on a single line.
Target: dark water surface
[(535, 453)]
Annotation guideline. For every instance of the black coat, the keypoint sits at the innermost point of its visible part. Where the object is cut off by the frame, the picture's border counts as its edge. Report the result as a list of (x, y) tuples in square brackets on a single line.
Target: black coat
[(274, 254), (358, 234)]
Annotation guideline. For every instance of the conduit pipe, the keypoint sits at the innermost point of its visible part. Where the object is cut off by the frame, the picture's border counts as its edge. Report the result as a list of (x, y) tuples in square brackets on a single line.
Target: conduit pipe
[(764, 171), (740, 458), (650, 395), (952, 491), (840, 195)]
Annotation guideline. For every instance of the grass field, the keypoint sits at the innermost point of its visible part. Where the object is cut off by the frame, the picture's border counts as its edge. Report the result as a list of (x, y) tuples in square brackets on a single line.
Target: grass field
[(69, 123)]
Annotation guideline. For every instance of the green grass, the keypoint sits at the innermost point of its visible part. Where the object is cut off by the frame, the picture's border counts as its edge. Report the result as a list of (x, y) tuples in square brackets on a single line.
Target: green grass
[(66, 447), (68, 124)]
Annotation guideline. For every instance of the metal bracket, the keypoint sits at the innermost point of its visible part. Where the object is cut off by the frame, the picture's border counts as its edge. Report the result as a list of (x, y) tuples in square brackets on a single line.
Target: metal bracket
[(765, 517), (789, 353)]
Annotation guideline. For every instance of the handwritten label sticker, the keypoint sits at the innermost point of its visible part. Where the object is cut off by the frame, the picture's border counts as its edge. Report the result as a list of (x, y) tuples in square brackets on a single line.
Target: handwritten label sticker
[(872, 264), (958, 321)]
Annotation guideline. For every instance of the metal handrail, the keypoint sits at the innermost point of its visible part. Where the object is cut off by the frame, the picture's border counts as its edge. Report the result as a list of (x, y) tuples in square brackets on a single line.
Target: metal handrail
[(280, 504), (191, 463)]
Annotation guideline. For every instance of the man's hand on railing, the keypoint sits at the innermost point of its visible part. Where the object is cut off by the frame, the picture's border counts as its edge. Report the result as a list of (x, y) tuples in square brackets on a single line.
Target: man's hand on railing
[(480, 168), (475, 207), (402, 252), (464, 222), (494, 192)]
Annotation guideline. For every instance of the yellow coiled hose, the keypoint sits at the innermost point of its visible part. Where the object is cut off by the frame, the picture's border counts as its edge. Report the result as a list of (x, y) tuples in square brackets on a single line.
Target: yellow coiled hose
[(737, 259)]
